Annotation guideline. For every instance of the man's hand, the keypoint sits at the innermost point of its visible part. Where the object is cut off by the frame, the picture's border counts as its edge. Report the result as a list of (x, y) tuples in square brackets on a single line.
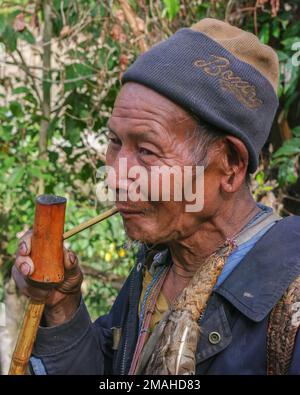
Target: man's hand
[(61, 301)]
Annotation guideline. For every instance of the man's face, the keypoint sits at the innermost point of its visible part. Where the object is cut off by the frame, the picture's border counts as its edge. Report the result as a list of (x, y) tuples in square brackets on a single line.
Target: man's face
[(148, 130)]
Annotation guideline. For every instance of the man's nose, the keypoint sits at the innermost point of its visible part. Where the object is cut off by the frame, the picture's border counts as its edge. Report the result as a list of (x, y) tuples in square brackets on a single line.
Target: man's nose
[(118, 178)]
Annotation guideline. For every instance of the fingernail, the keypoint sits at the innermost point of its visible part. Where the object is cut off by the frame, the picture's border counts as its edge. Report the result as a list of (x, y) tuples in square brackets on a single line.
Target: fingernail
[(72, 257), (25, 268), (23, 247)]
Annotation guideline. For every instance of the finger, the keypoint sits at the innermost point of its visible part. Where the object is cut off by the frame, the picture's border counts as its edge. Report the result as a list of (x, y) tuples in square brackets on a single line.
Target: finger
[(26, 289), (24, 265), (18, 278), (70, 259), (38, 294), (25, 244)]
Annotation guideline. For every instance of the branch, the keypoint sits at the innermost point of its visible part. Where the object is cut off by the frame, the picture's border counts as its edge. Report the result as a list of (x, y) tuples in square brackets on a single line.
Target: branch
[(59, 107), (82, 78), (116, 281), (284, 127), (132, 21), (23, 65), (32, 67), (75, 30), (228, 10), (102, 157)]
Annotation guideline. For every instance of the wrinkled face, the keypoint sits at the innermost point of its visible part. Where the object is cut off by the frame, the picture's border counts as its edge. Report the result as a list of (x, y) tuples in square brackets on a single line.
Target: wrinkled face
[(148, 130)]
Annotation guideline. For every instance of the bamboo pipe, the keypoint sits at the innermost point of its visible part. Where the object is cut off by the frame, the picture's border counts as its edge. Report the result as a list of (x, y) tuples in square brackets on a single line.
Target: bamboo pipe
[(108, 213), (47, 254)]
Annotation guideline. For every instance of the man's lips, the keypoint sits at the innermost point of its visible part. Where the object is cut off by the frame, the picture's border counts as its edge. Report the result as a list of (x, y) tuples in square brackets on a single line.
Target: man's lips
[(128, 211)]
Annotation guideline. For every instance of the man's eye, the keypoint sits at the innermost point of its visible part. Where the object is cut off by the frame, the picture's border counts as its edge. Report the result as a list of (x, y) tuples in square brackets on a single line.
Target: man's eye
[(114, 140), (145, 151)]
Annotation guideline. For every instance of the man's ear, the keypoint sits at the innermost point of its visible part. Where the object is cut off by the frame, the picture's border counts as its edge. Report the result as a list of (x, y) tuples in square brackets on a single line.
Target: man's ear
[(236, 164)]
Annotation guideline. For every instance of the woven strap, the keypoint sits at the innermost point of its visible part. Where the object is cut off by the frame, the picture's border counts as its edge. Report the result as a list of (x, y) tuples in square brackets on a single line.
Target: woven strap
[(145, 330), (282, 330)]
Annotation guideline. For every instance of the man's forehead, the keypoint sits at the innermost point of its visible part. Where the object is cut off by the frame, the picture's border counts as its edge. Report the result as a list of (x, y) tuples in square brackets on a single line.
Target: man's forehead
[(137, 125), (135, 96), (138, 120)]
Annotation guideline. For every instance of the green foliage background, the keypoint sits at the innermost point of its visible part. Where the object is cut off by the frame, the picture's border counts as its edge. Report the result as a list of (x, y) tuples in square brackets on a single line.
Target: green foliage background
[(92, 44)]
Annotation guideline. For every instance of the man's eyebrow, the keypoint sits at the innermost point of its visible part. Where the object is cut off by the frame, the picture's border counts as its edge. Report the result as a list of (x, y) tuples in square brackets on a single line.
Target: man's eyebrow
[(147, 134)]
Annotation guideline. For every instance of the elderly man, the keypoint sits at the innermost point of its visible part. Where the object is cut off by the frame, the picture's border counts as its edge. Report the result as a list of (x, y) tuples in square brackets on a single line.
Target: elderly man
[(206, 295)]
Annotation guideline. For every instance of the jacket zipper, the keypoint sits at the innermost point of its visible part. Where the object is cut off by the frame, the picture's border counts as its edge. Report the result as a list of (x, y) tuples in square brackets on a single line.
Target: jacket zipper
[(126, 337), (123, 359)]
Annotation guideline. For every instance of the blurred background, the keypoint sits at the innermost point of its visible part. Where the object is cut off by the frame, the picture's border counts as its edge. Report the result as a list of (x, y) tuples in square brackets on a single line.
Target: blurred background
[(60, 67)]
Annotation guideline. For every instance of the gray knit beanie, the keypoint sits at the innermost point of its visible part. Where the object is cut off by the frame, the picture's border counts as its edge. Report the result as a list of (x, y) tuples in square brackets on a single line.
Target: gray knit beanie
[(220, 74)]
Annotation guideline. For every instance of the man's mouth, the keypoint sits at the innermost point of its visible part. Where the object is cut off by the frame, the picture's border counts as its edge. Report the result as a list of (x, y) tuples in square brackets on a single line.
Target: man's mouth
[(128, 212)]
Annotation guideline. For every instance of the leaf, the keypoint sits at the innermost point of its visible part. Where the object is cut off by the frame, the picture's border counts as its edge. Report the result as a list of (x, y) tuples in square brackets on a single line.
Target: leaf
[(103, 10), (21, 89), (53, 156), (288, 42), (77, 71), (291, 177), (9, 38), (16, 177), (6, 133), (290, 99), (10, 18), (280, 90), (2, 23), (264, 35), (296, 131), (133, 4), (68, 150), (27, 36), (292, 30), (284, 25), (86, 172), (172, 8), (282, 56), (16, 109), (287, 173), (4, 112), (42, 163), (72, 130), (276, 28), (8, 162), (35, 172), (7, 19), (291, 76), (268, 188), (260, 178), (12, 246), (288, 149)]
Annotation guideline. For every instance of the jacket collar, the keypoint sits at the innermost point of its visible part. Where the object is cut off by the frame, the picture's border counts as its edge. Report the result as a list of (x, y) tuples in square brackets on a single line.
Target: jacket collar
[(262, 276), (265, 273)]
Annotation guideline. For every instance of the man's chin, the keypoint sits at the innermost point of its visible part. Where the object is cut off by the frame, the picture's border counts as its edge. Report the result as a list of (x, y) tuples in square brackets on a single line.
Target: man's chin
[(138, 234)]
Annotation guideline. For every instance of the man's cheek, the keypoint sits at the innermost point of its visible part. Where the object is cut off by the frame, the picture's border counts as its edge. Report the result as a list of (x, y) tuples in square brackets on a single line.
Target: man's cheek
[(110, 155)]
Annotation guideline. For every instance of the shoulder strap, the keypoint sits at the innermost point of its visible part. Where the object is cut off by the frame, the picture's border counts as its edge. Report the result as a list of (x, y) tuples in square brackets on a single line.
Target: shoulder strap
[(283, 325), (249, 232)]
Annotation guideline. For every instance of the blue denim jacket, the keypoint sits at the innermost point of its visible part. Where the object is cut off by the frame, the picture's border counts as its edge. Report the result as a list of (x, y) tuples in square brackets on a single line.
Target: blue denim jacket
[(238, 312)]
